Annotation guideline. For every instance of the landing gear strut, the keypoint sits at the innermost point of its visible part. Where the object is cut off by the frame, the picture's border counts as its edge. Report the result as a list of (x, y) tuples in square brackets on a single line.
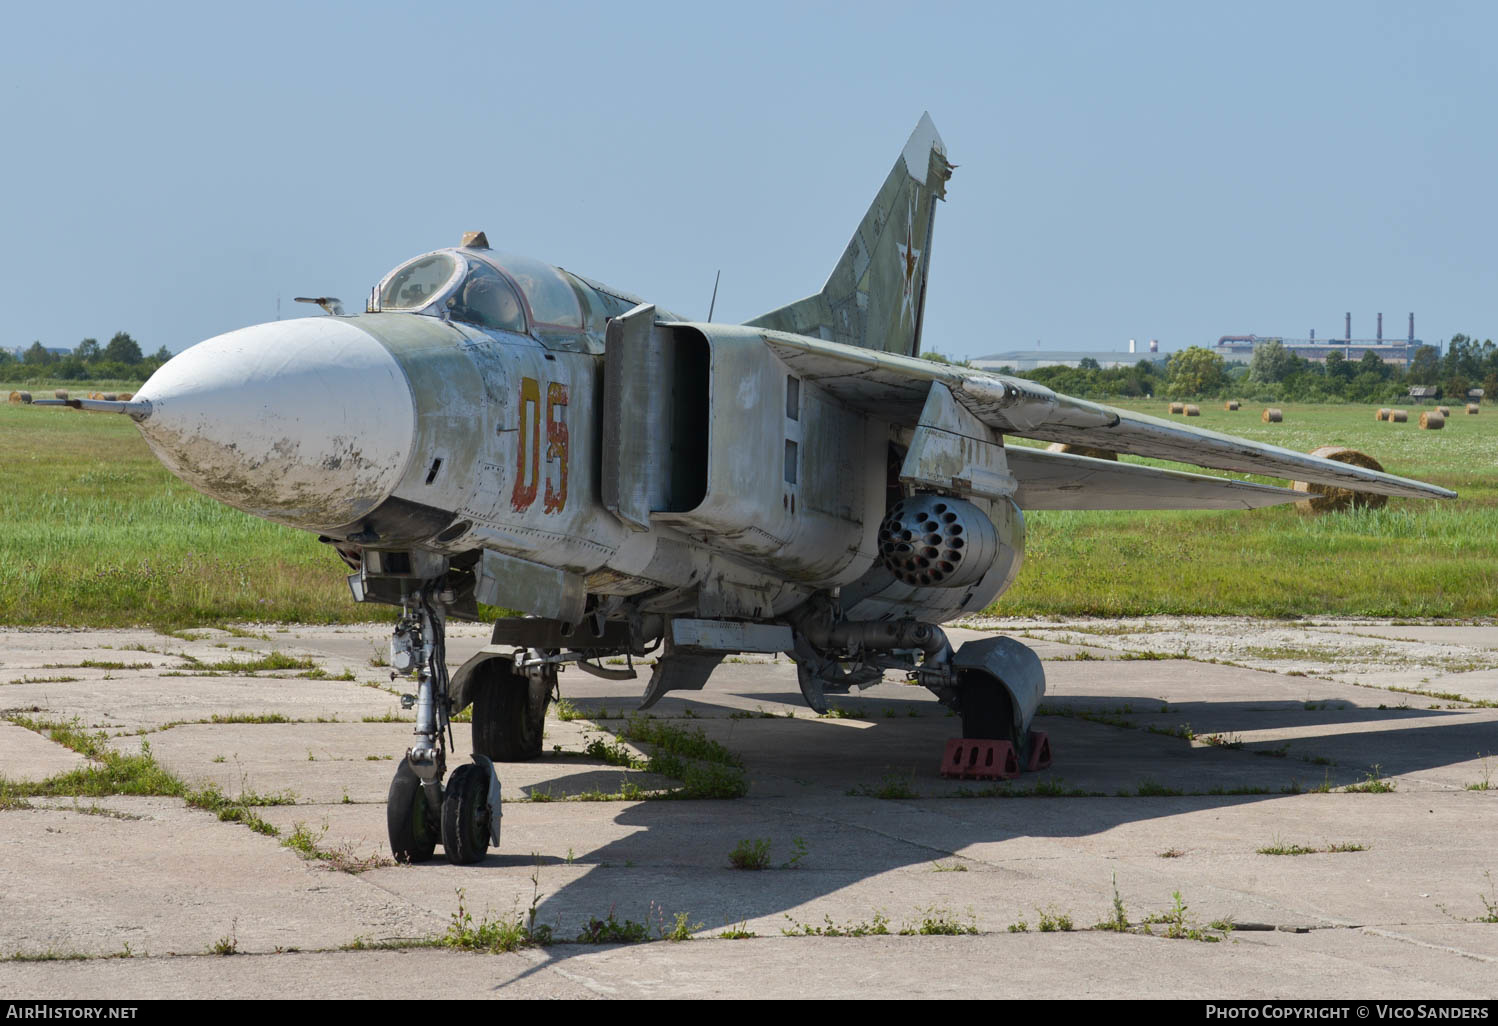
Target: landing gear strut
[(995, 684), (419, 810)]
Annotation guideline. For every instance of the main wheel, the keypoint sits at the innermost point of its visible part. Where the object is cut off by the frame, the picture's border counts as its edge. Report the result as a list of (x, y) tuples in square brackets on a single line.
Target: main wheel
[(413, 833), (465, 816), (509, 712), (987, 711)]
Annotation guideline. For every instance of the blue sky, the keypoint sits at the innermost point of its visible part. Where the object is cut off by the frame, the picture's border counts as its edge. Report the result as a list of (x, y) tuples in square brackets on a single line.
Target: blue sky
[(1176, 171)]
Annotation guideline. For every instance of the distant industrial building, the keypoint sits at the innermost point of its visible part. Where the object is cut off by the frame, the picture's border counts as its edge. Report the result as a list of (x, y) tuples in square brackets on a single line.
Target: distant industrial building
[(1030, 359), (1399, 352)]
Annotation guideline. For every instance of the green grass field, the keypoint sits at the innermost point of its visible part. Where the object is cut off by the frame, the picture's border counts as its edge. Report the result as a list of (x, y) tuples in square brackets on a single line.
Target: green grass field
[(1411, 558), (94, 532)]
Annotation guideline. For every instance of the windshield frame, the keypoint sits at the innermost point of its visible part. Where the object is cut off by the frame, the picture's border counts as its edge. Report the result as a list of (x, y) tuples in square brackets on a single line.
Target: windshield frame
[(456, 275), (475, 264)]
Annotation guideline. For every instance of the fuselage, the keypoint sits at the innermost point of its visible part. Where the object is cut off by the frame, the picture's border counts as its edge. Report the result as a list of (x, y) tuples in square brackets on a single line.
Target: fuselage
[(464, 414)]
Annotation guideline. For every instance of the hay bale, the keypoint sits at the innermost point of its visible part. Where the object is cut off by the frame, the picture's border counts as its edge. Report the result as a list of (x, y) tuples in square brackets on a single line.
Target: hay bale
[(20, 397), (1331, 499), (111, 397), (96, 395), (1444, 411), (1382, 414), (1430, 420), (1231, 404), (1472, 408), (125, 397), (1193, 411), (1082, 450), (1273, 415), (1398, 416), (61, 393), (1177, 407)]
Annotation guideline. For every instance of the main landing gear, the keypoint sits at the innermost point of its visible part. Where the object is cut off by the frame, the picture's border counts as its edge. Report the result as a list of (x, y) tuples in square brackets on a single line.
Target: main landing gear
[(995, 684), (419, 811)]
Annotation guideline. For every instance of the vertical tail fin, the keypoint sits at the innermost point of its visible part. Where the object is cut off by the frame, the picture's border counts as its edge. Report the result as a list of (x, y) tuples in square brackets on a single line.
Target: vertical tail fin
[(876, 296)]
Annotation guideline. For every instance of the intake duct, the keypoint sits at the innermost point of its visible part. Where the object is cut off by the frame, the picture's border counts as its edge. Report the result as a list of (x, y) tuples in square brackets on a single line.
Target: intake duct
[(935, 541)]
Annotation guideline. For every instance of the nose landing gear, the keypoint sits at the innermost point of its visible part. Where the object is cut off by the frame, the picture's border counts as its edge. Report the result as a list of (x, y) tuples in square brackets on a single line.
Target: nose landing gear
[(419, 810)]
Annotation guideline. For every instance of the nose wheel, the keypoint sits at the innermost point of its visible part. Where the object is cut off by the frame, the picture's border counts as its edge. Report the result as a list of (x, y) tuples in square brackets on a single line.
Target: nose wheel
[(412, 827), (466, 824), (419, 810), (466, 816)]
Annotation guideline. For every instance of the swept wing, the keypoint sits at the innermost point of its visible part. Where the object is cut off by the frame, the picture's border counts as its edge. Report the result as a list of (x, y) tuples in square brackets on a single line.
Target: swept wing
[(895, 387)]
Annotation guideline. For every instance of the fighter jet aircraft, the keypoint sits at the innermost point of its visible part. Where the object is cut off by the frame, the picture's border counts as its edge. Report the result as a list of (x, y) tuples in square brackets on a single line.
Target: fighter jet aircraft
[(496, 430)]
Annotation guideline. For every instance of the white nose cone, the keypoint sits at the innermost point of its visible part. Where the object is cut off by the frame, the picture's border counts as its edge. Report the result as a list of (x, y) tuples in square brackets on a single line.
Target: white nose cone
[(307, 422)]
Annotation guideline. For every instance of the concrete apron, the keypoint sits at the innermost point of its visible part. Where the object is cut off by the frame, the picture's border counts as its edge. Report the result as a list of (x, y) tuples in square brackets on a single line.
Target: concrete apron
[(1170, 775)]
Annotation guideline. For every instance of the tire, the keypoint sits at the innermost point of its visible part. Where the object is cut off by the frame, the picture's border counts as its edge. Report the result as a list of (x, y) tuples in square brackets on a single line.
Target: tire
[(465, 816), (413, 834), (987, 711), (509, 713)]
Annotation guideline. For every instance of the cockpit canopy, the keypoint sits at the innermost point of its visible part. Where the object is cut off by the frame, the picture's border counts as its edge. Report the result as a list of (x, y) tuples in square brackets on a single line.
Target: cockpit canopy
[(447, 285), (500, 292)]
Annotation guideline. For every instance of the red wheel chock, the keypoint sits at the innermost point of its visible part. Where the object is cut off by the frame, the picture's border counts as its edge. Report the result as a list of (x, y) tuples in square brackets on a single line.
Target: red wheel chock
[(979, 759), (1040, 751)]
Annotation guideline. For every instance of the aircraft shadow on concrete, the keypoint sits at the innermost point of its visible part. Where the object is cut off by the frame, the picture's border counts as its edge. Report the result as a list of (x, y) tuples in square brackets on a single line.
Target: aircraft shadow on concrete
[(676, 856)]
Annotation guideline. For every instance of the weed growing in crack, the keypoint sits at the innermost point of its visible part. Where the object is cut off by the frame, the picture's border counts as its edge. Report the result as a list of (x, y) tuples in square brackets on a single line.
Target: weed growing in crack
[(1280, 847), (878, 926), (679, 930), (891, 786), (1486, 783), (749, 854), (1053, 922), (231, 810), (1373, 783), (342, 858), (227, 945), (614, 753), (1491, 904), (1179, 927), (611, 931), (1119, 921), (941, 921), (495, 935), (1150, 788)]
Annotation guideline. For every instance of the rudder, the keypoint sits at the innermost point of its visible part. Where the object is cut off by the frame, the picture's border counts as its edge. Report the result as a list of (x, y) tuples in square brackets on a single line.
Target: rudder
[(875, 298)]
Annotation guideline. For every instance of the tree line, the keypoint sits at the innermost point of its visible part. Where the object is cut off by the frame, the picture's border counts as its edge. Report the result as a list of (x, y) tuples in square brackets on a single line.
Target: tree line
[(120, 358), (1276, 373)]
